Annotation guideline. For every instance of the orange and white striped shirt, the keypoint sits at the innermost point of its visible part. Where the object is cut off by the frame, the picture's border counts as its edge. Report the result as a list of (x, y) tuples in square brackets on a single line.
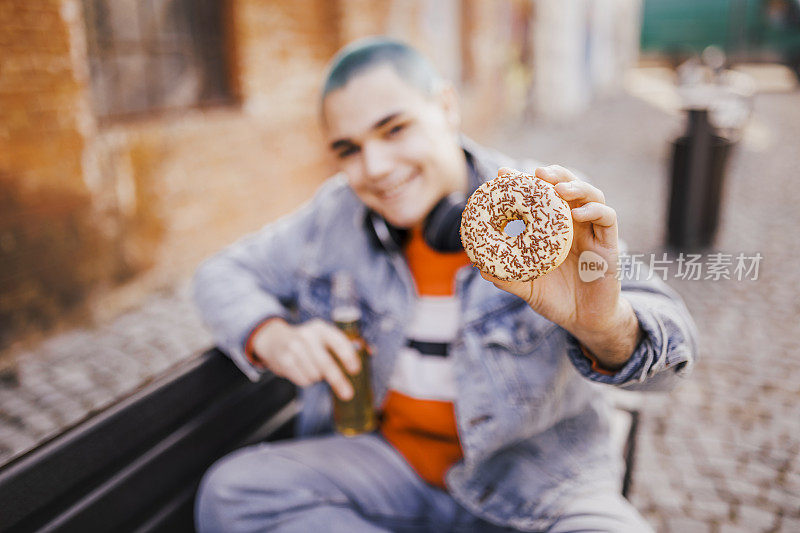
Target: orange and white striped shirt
[(418, 413)]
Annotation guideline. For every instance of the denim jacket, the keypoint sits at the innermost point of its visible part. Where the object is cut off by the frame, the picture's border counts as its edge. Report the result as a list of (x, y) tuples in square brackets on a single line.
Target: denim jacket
[(530, 412)]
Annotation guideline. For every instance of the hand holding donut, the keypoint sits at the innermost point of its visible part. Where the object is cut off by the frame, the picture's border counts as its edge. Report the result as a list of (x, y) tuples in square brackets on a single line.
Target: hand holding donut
[(594, 312)]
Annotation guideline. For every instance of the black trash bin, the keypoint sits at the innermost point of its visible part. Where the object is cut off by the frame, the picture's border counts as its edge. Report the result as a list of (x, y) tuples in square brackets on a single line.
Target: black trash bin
[(698, 172)]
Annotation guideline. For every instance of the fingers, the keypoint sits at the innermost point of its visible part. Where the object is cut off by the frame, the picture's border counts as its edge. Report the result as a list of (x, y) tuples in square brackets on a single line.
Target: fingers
[(331, 372), (603, 218), (596, 213), (305, 367), (340, 345), (489, 277), (308, 353), (499, 283), (504, 171), (282, 362), (554, 174), (580, 192), (587, 202), (296, 366), (523, 289)]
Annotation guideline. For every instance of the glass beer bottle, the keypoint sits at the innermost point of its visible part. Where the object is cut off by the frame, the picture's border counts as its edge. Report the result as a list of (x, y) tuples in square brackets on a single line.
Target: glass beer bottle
[(356, 415)]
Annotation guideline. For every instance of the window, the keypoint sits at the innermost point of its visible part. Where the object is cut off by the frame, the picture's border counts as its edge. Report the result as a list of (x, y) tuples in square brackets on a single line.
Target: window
[(150, 55)]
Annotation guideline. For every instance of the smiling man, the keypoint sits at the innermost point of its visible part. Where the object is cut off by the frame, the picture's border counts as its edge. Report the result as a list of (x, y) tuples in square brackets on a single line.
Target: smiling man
[(491, 416), (398, 148)]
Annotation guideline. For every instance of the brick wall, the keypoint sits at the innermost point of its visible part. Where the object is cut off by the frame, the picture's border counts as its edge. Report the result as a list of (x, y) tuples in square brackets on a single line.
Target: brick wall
[(197, 180), (52, 249), (42, 100), (94, 217)]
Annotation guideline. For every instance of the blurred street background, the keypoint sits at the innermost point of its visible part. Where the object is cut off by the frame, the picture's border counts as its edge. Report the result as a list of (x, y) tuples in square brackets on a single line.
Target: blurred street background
[(137, 138)]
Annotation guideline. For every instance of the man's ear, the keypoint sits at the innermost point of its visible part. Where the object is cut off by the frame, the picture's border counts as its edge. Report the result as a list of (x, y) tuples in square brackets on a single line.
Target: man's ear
[(448, 99)]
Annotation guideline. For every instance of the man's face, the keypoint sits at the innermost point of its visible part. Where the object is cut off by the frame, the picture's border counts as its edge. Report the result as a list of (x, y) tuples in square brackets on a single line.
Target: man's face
[(398, 146)]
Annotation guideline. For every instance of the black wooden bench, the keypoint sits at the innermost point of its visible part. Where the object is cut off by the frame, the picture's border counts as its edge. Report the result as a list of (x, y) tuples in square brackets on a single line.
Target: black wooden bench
[(136, 466)]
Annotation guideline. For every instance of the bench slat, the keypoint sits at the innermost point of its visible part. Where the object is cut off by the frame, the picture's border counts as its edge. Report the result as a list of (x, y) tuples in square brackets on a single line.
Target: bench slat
[(59, 479)]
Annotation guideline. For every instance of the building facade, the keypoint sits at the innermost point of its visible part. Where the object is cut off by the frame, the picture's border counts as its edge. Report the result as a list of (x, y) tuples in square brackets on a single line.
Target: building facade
[(138, 137)]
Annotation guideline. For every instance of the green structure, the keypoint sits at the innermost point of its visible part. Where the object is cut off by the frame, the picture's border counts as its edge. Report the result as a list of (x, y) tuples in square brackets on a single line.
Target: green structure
[(747, 30)]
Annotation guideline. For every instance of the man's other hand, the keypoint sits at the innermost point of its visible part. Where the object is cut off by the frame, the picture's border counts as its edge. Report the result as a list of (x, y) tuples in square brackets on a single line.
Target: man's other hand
[(307, 353)]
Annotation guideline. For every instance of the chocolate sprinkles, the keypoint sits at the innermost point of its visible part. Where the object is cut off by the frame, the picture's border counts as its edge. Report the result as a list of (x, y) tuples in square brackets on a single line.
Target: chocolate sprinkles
[(538, 249)]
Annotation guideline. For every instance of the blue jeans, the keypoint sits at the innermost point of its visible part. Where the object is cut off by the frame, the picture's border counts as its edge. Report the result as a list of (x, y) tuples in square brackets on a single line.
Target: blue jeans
[(353, 484)]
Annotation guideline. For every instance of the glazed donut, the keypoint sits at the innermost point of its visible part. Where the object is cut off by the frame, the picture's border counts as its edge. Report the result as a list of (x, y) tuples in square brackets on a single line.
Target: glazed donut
[(538, 249)]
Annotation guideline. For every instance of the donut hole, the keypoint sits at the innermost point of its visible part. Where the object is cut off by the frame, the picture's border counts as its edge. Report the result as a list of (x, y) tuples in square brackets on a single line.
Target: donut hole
[(514, 227)]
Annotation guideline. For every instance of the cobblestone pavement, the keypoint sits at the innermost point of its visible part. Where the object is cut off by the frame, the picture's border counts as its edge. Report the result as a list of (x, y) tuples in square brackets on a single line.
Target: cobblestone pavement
[(74, 375), (720, 454)]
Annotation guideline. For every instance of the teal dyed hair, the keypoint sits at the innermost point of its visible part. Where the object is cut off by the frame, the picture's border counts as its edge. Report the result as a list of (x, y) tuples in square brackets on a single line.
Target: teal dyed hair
[(368, 53)]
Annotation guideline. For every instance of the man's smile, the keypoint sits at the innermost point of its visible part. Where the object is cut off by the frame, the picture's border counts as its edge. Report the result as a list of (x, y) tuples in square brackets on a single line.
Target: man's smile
[(395, 188)]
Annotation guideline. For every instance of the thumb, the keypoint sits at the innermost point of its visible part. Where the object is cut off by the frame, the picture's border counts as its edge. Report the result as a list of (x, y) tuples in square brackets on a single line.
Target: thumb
[(517, 288), (493, 279)]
